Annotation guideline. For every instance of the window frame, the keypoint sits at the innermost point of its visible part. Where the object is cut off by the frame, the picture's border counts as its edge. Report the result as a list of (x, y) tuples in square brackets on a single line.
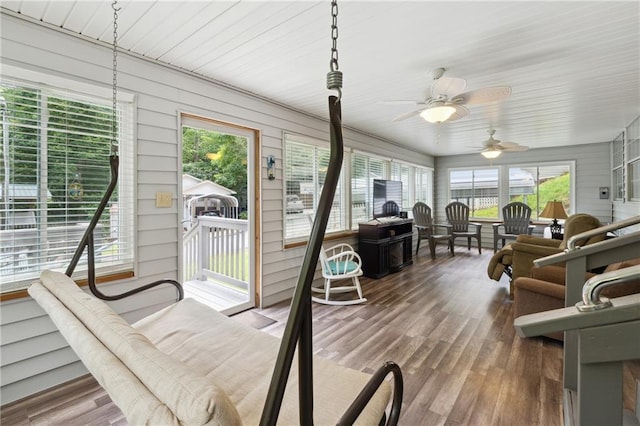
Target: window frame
[(346, 191), (572, 185), (473, 169), (632, 161), (319, 147), (503, 182), (80, 93), (617, 167)]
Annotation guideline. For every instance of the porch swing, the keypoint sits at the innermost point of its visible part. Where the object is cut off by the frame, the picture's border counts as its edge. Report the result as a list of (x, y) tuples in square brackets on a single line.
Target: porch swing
[(163, 369)]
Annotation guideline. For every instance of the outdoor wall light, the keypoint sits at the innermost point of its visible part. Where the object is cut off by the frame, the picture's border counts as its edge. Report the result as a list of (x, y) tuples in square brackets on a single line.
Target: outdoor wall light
[(271, 163)]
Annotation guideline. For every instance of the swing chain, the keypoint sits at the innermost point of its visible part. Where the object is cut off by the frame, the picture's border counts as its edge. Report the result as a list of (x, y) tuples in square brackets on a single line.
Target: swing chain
[(334, 77), (114, 130), (334, 36)]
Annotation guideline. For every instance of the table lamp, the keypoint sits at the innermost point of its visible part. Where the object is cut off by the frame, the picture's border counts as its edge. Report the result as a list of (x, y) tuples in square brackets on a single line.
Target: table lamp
[(554, 209)]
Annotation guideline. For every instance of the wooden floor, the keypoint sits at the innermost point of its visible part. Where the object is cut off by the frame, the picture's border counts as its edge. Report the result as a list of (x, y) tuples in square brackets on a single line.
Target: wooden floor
[(447, 325)]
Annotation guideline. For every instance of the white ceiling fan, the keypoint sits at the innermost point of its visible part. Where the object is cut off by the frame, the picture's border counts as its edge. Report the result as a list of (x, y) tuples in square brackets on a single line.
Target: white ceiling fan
[(447, 99), (492, 148)]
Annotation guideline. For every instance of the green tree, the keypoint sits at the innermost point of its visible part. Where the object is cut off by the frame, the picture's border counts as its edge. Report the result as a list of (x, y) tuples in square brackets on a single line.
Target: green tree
[(218, 157)]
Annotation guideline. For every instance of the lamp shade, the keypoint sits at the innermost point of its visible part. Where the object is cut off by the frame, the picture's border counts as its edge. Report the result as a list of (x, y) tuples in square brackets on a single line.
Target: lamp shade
[(491, 153), (554, 209), (438, 113)]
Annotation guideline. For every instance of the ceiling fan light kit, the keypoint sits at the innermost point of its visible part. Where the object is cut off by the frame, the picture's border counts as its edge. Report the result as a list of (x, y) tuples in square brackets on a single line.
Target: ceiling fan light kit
[(491, 153), (438, 114), (494, 147), (447, 99)]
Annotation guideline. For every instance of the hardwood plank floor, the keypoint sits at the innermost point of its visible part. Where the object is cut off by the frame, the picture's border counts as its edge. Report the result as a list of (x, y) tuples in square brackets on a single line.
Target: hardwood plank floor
[(443, 321)]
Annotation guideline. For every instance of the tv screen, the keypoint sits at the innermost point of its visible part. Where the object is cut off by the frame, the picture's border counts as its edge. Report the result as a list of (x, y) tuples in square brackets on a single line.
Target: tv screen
[(387, 198)]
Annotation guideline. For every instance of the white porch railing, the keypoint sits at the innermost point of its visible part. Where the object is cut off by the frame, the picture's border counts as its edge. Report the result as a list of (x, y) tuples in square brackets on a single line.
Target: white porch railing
[(217, 248)]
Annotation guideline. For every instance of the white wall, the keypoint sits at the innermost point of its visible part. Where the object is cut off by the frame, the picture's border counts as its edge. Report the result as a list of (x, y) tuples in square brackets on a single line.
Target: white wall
[(592, 171), (34, 355)]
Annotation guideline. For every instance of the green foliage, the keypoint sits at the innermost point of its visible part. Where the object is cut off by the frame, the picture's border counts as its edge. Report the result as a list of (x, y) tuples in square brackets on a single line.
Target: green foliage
[(77, 150), (217, 157), (551, 189)]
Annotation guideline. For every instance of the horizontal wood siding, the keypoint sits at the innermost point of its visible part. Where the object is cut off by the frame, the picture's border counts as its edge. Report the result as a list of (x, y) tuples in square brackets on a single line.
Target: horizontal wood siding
[(592, 171), (36, 356)]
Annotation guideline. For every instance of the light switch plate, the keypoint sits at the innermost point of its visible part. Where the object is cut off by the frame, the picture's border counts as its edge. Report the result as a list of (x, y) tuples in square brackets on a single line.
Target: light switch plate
[(164, 199)]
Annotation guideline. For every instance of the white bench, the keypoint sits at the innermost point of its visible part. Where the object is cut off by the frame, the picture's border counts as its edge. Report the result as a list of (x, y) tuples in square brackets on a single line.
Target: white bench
[(188, 364)]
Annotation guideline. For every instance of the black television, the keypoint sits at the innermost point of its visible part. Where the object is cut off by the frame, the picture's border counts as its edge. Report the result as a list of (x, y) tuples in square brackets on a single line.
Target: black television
[(387, 198)]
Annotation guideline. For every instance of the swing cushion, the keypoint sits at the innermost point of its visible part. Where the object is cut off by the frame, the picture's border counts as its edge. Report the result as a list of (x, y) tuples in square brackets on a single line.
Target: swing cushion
[(341, 267), (192, 398), (189, 364)]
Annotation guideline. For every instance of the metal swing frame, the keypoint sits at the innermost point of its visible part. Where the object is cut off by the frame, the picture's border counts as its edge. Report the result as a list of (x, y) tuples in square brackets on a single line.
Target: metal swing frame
[(298, 331)]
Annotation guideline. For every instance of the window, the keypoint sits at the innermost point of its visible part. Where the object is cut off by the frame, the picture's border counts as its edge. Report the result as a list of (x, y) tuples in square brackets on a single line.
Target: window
[(364, 169), (535, 185), (400, 172), (55, 168), (477, 188), (633, 155), (424, 185), (305, 166), (305, 169), (618, 167)]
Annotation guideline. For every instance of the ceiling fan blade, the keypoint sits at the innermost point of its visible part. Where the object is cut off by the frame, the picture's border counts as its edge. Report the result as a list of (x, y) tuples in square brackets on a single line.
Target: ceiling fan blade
[(508, 144), (460, 113), (484, 95), (402, 102), (517, 148), (408, 115), (448, 86)]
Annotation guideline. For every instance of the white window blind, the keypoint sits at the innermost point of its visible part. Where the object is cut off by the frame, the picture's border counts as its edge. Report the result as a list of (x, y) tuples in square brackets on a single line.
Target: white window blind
[(400, 172), (55, 169), (364, 169), (305, 169)]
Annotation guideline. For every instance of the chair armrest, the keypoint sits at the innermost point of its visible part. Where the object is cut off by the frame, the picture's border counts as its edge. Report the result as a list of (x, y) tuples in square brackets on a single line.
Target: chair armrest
[(538, 241), (476, 224), (533, 249), (553, 273), (551, 289), (446, 226)]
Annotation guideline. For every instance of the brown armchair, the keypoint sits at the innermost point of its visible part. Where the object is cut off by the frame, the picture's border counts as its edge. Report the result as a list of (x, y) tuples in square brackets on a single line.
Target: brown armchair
[(527, 248), (516, 259), (544, 290)]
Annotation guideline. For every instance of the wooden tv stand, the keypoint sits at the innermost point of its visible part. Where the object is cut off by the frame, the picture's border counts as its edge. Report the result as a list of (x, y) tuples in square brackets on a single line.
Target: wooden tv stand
[(385, 246)]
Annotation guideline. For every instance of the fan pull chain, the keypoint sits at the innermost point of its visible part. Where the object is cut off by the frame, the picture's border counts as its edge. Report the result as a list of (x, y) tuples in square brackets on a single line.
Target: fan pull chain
[(334, 77), (114, 117)]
